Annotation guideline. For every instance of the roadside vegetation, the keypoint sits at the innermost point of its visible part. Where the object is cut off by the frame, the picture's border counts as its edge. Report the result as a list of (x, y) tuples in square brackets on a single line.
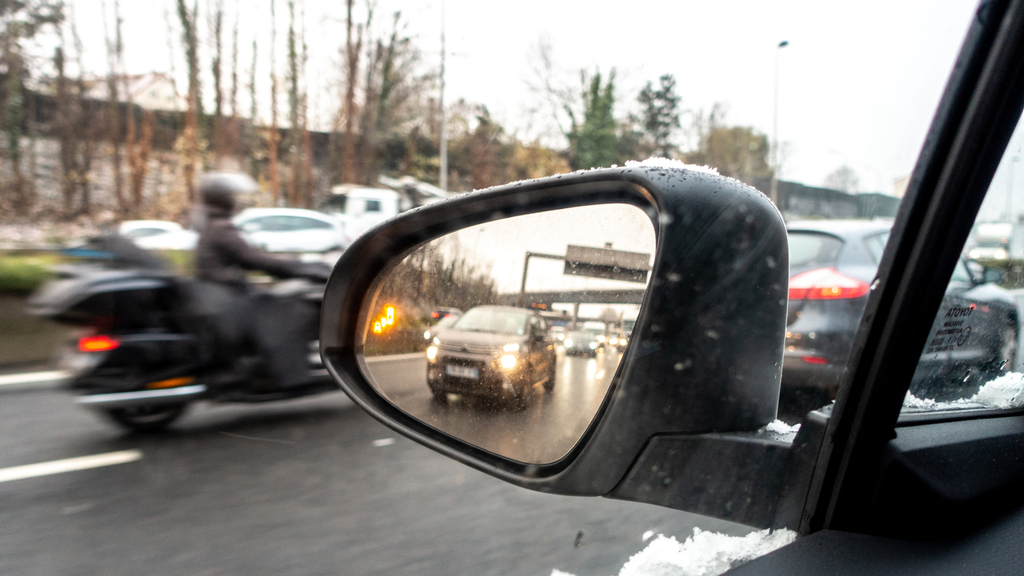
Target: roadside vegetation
[(21, 275)]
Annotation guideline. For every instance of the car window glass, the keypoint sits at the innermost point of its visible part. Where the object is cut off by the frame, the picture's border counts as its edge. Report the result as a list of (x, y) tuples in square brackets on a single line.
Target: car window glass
[(972, 359), (812, 249), (876, 245), (145, 232), (372, 206), (265, 223)]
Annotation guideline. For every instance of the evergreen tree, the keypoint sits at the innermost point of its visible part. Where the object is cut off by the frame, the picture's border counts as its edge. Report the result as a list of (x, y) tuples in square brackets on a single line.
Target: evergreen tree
[(660, 115), (592, 142)]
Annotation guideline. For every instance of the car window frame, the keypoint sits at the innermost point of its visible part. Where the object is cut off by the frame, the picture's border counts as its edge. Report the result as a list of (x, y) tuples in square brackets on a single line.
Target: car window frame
[(980, 108)]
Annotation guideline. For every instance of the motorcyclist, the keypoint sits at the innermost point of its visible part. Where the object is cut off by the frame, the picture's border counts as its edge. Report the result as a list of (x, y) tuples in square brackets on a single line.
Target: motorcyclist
[(277, 327)]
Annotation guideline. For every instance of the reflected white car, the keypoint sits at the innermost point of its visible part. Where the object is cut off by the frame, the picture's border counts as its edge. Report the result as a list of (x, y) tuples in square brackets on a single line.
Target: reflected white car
[(291, 230)]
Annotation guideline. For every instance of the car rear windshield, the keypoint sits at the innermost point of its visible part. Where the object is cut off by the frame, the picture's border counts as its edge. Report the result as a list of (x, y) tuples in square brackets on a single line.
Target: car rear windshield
[(807, 249), (492, 320)]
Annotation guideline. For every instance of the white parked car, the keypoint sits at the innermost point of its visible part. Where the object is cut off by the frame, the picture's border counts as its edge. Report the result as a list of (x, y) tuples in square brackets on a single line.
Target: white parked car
[(158, 234), (291, 230)]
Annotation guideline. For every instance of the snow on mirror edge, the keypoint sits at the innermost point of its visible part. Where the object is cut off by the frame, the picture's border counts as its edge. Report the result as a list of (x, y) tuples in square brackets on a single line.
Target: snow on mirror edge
[(1004, 392), (701, 554)]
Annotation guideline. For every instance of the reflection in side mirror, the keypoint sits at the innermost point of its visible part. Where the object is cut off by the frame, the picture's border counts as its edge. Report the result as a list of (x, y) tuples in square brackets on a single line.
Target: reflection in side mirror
[(523, 371)]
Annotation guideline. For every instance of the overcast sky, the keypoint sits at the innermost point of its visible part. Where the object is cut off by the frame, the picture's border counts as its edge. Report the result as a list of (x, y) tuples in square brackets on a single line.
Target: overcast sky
[(858, 83)]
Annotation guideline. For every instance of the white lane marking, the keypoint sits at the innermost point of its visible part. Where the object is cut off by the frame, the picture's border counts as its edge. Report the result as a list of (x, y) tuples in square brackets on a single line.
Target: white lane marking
[(69, 465), (32, 377)]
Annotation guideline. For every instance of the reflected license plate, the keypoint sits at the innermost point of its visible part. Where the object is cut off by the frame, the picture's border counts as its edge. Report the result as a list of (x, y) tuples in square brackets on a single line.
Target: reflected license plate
[(461, 371)]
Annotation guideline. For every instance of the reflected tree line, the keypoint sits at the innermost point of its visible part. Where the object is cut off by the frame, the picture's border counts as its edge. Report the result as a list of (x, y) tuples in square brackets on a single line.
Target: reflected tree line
[(436, 275)]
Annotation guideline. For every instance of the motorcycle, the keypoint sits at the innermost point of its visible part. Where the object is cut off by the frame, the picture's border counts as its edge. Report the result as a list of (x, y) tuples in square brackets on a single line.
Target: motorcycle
[(151, 343)]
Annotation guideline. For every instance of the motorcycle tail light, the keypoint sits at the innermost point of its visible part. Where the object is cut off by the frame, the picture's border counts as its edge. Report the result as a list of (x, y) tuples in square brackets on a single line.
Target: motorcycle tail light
[(97, 343), (826, 284)]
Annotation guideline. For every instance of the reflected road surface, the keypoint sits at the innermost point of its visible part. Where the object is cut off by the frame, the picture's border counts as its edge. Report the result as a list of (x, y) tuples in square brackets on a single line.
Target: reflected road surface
[(545, 431), (313, 486)]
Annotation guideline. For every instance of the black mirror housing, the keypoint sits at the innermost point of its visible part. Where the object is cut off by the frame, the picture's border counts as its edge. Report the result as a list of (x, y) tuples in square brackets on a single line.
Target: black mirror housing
[(705, 355)]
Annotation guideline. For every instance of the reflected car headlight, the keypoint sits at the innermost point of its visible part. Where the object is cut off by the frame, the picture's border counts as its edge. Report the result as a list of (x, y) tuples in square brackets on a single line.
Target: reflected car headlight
[(600, 338), (426, 335), (1000, 254), (432, 353), (508, 361), (593, 345), (510, 347), (975, 254), (568, 343)]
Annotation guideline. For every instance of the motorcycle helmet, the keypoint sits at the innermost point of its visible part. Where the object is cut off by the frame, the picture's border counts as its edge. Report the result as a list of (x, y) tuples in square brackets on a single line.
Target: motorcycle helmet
[(218, 189)]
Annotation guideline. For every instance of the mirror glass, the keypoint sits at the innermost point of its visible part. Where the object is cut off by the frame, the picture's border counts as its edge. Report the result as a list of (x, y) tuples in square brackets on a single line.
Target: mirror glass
[(507, 334)]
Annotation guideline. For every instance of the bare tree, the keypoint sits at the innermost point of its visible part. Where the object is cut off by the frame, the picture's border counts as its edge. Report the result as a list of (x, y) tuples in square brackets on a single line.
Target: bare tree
[(190, 134), (87, 126), (250, 144), (294, 105), (233, 130), (216, 26), (273, 135), (844, 179), (351, 53), (114, 56), (64, 122)]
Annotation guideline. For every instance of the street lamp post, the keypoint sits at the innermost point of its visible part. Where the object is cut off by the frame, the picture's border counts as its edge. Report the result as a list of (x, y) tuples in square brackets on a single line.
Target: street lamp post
[(774, 193)]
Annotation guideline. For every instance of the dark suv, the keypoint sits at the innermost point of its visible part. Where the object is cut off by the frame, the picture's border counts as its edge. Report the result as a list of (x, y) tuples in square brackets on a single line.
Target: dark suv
[(832, 265), (497, 352)]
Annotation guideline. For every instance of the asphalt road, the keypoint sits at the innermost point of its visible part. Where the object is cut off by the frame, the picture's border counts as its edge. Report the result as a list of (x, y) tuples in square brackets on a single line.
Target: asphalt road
[(302, 487), (543, 432)]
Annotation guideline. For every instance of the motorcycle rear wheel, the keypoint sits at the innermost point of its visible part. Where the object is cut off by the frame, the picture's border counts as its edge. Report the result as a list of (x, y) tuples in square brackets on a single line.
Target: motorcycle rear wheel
[(146, 418)]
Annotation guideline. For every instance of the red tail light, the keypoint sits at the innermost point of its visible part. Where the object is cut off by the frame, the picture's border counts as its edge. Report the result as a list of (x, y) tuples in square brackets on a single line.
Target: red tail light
[(814, 359), (825, 284), (97, 343)]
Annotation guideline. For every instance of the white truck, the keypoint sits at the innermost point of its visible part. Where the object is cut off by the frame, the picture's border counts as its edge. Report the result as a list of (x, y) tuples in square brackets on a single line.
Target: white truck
[(360, 208)]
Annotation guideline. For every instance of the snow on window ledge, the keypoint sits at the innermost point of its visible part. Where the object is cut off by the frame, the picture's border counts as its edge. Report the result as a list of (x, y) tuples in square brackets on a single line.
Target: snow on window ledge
[(1004, 392)]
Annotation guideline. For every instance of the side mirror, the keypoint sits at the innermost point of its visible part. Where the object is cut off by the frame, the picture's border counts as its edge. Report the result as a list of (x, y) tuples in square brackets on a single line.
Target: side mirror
[(701, 260), (993, 275)]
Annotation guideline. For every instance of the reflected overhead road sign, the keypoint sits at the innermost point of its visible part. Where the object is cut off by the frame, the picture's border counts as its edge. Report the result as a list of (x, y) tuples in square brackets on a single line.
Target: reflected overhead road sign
[(607, 263)]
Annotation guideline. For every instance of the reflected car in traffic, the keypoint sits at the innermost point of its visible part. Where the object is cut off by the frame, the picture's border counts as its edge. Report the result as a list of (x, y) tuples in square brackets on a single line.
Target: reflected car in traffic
[(436, 329), (582, 343), (495, 352)]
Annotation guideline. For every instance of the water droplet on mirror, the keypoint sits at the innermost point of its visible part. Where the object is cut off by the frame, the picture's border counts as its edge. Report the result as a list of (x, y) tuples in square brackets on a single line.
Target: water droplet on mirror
[(1003, 365), (968, 377), (770, 262), (875, 283)]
